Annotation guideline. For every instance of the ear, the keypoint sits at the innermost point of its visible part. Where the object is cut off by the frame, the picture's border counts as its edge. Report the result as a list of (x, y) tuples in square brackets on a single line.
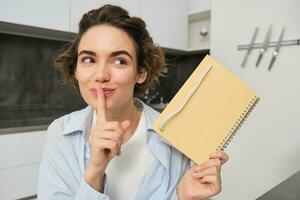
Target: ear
[(141, 77)]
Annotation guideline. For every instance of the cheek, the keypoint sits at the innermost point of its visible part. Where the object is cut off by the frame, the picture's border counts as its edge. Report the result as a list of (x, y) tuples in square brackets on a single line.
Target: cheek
[(125, 79), (83, 76)]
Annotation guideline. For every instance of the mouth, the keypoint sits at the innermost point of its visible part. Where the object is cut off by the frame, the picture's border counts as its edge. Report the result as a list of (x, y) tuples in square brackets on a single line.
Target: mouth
[(108, 92)]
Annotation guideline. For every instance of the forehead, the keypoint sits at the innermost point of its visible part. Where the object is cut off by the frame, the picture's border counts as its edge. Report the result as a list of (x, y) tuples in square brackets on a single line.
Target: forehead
[(106, 39)]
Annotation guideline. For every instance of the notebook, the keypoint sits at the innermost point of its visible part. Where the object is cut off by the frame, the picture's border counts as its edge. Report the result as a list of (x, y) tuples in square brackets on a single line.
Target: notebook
[(206, 112)]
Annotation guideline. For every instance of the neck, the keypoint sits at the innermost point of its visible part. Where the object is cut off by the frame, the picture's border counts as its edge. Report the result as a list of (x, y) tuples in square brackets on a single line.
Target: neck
[(127, 112)]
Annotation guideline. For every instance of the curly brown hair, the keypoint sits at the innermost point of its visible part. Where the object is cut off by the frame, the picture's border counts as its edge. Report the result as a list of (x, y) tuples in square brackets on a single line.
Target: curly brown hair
[(150, 57)]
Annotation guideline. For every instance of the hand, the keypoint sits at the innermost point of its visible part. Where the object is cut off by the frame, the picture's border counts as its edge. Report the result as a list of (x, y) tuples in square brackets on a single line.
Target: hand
[(204, 180), (106, 141)]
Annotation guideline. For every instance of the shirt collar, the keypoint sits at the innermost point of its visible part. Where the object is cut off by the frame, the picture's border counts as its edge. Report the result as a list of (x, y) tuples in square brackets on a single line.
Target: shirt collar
[(157, 145), (82, 120), (79, 121)]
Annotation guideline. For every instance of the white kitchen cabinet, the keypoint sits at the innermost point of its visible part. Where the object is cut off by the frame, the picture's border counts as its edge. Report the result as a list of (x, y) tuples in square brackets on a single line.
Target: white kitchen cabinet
[(166, 20), (17, 149), (199, 34), (19, 182), (132, 6), (196, 6), (51, 14), (20, 156), (77, 9)]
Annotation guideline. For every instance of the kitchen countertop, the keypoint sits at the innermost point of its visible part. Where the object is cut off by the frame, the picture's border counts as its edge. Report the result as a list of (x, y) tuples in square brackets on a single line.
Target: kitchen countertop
[(17, 121), (288, 189)]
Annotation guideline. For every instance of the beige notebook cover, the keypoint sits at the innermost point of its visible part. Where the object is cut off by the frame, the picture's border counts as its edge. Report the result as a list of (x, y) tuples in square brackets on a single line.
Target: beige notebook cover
[(206, 112)]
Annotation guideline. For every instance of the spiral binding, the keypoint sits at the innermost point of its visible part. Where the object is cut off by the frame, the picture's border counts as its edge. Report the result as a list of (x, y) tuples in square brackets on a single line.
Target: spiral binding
[(238, 124)]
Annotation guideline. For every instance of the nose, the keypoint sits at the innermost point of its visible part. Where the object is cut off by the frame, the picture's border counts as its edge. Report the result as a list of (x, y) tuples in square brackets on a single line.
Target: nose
[(102, 73)]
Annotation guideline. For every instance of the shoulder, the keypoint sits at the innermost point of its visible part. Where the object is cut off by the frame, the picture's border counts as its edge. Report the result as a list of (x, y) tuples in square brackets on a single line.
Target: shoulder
[(56, 129), (59, 124), (150, 113), (160, 141)]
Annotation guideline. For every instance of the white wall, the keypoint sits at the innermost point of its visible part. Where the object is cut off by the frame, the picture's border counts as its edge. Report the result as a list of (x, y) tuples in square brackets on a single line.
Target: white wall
[(52, 14), (266, 150)]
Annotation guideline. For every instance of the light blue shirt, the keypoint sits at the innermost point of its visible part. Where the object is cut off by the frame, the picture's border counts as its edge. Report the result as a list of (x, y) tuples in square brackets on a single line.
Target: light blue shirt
[(65, 158)]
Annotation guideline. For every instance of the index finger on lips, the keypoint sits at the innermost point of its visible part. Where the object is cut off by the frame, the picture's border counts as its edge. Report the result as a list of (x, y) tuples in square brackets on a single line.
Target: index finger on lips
[(101, 106)]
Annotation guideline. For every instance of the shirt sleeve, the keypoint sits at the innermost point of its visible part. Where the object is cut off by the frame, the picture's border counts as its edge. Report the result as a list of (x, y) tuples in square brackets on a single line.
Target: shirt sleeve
[(87, 192), (57, 180), (174, 195)]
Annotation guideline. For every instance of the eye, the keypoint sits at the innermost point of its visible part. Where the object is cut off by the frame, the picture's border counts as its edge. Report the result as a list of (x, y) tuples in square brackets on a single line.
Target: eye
[(120, 61), (87, 60)]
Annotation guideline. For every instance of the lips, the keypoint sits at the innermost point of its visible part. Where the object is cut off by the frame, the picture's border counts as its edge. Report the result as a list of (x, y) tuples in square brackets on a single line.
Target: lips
[(107, 91)]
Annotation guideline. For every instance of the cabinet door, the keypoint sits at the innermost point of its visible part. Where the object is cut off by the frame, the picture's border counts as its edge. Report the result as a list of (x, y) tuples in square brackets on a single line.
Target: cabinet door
[(19, 182), (167, 22), (132, 6), (79, 7), (52, 14), (20, 157)]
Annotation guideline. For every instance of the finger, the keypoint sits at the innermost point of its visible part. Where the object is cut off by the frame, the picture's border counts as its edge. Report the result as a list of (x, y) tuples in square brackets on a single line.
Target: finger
[(209, 179), (207, 164), (207, 172), (109, 145), (125, 125), (108, 126), (214, 181), (101, 107), (108, 135), (220, 155)]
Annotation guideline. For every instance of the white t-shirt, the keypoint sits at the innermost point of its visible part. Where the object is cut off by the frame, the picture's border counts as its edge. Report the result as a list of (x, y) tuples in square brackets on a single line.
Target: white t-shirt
[(124, 173)]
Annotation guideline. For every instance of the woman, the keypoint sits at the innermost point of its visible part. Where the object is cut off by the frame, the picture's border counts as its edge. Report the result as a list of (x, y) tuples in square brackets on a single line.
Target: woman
[(108, 150)]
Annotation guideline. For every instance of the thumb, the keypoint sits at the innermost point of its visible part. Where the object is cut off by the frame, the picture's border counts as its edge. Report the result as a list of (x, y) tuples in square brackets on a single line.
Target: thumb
[(125, 124)]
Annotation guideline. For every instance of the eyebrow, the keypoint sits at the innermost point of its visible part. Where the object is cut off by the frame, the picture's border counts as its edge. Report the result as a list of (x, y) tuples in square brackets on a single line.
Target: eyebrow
[(87, 52), (115, 53)]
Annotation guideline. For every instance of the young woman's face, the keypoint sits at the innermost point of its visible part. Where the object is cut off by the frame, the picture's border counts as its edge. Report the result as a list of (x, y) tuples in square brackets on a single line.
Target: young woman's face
[(107, 60)]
